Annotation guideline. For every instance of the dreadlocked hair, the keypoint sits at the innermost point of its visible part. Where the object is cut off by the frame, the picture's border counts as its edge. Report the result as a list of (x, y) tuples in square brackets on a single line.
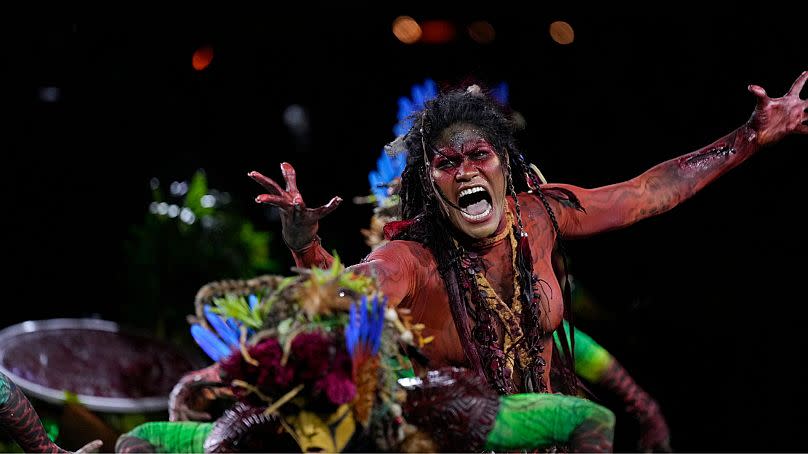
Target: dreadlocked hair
[(420, 205)]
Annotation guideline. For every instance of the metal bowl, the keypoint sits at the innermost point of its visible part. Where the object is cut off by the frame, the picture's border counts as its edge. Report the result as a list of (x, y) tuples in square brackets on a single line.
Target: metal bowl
[(94, 355)]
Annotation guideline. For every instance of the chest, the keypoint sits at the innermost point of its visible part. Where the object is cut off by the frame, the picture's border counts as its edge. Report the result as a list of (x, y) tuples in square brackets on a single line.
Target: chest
[(429, 304)]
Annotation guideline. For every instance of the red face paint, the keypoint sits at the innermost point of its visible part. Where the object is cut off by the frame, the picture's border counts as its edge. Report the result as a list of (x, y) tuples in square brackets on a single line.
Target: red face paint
[(467, 170)]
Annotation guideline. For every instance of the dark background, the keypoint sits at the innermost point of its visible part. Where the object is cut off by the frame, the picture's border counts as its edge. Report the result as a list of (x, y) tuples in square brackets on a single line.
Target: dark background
[(703, 304)]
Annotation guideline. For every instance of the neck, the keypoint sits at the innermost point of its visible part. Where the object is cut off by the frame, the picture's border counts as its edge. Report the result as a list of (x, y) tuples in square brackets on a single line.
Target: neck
[(503, 229)]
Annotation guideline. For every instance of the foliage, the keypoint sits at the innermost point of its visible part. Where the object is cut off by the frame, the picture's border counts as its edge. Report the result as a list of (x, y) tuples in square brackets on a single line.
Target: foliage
[(191, 235)]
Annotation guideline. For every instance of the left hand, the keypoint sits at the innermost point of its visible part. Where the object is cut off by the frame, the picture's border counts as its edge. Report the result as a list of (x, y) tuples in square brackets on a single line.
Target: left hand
[(775, 118)]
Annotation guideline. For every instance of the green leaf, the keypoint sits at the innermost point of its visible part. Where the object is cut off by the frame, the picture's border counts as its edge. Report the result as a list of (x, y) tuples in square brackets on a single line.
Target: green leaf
[(237, 307)]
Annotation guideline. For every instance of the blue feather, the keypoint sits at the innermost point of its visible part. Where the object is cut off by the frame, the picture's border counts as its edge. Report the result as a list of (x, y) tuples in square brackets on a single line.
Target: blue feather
[(233, 324), (253, 302), (352, 330), (363, 320), (209, 343), (385, 166), (378, 323), (405, 108), (224, 331)]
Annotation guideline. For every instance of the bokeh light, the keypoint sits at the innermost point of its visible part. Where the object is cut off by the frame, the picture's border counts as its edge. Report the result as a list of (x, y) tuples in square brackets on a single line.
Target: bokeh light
[(406, 29), (482, 31), (562, 32), (437, 32), (202, 58)]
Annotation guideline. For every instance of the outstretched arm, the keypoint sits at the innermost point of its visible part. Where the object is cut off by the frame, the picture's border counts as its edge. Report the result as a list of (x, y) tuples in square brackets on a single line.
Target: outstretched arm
[(670, 183), (299, 223)]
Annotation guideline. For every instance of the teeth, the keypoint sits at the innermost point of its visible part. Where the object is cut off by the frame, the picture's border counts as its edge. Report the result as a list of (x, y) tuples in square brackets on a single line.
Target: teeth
[(478, 216), (471, 190)]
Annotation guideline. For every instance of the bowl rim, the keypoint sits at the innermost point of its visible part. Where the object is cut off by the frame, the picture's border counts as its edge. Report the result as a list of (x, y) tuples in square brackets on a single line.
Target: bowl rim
[(60, 397)]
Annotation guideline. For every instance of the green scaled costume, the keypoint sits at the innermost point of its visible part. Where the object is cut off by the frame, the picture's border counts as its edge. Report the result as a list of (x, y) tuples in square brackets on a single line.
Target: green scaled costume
[(180, 437), (530, 421)]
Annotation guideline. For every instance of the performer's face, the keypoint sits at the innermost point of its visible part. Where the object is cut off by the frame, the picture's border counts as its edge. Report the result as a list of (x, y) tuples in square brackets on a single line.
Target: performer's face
[(469, 172)]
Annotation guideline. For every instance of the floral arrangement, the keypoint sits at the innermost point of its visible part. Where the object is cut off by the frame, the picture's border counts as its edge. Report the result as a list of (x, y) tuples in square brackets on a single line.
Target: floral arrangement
[(314, 342)]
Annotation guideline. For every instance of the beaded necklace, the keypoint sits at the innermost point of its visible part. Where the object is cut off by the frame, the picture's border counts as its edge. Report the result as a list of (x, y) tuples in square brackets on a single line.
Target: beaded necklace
[(502, 354)]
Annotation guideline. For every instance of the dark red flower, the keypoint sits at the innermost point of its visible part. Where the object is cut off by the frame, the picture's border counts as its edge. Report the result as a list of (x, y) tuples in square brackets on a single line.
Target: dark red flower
[(311, 356), (269, 376), (338, 387)]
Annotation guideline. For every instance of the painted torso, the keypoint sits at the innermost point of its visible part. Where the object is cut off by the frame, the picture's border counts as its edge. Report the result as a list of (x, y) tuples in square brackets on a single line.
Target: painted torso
[(428, 302)]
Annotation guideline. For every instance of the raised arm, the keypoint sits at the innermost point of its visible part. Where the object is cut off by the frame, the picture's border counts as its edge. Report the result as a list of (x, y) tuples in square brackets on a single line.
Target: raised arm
[(670, 183), (299, 223)]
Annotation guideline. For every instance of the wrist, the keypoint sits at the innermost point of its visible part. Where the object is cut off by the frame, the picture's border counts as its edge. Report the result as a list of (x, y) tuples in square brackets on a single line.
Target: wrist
[(300, 247), (751, 132)]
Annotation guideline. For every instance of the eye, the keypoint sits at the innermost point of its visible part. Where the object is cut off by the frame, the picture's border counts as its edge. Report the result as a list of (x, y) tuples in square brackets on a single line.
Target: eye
[(444, 164), (479, 155)]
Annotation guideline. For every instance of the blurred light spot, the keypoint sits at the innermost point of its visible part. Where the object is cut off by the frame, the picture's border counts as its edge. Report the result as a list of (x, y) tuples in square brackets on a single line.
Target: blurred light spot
[(49, 94), (561, 32), (202, 58), (162, 208), (179, 188), (437, 32), (154, 183), (173, 211), (482, 32), (207, 201), (406, 29), (296, 119), (224, 197), (208, 222), (153, 208), (187, 216)]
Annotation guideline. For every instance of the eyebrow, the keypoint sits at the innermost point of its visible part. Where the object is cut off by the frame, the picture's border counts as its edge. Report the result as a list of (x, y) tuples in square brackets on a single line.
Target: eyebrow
[(476, 143), (438, 152)]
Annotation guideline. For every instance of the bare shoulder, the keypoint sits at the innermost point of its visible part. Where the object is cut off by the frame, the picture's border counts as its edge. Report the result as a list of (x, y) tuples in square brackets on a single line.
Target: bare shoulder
[(405, 253), (398, 267)]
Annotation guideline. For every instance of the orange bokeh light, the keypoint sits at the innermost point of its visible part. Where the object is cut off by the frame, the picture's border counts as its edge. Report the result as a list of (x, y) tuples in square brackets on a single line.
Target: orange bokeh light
[(406, 29), (437, 31), (562, 32), (202, 58)]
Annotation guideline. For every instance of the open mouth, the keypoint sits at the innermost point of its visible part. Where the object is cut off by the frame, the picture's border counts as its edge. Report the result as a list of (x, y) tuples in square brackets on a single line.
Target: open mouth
[(475, 203)]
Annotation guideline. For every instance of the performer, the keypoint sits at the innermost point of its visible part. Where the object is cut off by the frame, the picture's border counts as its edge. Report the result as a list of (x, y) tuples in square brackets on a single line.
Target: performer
[(472, 258), (593, 363)]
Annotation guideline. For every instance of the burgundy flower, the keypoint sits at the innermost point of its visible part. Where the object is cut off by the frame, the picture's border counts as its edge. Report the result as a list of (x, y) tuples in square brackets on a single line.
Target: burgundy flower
[(338, 387), (272, 376), (269, 376), (311, 356), (233, 366)]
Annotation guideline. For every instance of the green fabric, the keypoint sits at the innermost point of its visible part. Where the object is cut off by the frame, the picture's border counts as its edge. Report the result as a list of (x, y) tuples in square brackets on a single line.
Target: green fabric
[(5, 388), (531, 421), (591, 360), (180, 436)]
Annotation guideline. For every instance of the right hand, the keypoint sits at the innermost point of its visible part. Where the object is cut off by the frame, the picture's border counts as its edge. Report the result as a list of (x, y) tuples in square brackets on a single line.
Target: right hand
[(299, 223)]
